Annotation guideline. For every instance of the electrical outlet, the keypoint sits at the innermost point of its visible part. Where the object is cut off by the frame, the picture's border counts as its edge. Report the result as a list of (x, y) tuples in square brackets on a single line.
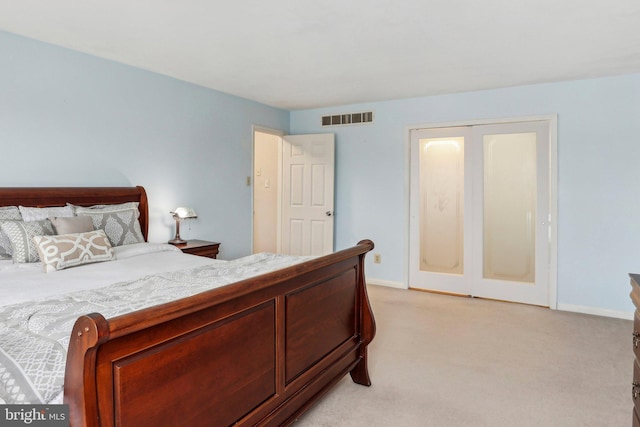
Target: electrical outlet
[(377, 258)]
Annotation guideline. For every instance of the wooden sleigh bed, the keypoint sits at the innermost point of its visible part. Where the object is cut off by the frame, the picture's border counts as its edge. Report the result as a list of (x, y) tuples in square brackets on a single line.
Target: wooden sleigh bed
[(257, 352)]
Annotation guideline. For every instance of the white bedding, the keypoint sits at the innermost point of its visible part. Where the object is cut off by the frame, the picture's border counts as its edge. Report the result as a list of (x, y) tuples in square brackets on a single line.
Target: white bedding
[(38, 309), (25, 282)]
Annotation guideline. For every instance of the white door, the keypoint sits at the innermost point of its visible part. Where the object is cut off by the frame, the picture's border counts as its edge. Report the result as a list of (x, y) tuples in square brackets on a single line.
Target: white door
[(479, 211), (307, 194)]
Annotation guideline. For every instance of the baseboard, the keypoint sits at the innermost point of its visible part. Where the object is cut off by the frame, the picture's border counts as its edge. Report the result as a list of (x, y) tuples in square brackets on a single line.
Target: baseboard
[(627, 315), (387, 283)]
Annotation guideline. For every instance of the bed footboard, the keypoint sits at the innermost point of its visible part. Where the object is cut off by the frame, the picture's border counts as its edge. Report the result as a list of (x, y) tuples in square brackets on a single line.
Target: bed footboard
[(258, 352)]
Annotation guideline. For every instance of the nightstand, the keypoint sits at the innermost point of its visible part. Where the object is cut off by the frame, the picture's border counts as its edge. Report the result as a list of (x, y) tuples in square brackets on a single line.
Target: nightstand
[(200, 248)]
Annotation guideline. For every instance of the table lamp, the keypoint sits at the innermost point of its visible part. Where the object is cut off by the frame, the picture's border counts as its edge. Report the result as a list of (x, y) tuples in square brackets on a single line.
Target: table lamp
[(179, 214)]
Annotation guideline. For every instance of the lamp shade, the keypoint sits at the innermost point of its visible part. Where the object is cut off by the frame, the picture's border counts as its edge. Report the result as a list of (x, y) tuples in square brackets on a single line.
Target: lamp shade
[(184, 212)]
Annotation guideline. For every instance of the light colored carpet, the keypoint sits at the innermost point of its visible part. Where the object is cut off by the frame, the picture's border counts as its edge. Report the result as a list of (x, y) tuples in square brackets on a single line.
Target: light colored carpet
[(440, 360)]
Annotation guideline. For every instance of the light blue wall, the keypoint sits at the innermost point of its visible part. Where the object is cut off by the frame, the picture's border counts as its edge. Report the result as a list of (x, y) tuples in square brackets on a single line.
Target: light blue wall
[(598, 195), (70, 119)]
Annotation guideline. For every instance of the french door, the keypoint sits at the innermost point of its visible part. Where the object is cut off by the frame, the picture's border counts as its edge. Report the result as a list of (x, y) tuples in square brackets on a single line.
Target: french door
[(479, 211)]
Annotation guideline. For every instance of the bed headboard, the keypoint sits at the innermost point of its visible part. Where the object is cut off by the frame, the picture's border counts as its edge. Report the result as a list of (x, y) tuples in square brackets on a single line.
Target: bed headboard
[(81, 196)]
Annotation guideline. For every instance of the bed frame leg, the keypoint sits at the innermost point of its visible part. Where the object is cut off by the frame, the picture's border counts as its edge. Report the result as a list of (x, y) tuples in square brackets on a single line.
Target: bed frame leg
[(360, 373)]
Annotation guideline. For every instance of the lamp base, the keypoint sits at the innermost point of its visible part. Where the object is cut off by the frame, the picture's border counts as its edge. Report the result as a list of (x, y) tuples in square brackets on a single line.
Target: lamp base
[(177, 241)]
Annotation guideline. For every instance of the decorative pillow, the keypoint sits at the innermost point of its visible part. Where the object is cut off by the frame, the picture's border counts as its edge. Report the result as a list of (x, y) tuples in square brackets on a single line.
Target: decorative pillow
[(69, 250), (73, 224), (7, 212), (120, 222), (38, 214), (21, 234)]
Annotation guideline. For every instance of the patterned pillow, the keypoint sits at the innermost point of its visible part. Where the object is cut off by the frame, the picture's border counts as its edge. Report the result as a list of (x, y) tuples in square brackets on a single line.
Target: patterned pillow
[(38, 214), (21, 234), (7, 212), (69, 250), (120, 222)]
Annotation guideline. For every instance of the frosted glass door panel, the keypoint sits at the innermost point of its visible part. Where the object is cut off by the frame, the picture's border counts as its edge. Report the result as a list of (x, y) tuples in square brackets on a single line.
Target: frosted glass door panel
[(442, 205), (509, 213)]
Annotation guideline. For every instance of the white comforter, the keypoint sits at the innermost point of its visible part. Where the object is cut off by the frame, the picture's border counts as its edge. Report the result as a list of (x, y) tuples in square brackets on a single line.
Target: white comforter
[(35, 327), (26, 282)]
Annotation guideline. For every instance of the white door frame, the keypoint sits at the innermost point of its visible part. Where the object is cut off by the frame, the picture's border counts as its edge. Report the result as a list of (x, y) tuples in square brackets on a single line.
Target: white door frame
[(553, 189), (279, 133)]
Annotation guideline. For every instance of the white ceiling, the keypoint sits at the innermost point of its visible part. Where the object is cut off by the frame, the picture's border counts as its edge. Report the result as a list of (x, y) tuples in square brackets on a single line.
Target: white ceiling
[(298, 54)]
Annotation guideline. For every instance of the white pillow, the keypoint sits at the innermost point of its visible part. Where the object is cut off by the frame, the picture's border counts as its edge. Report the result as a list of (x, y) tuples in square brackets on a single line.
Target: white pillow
[(38, 214)]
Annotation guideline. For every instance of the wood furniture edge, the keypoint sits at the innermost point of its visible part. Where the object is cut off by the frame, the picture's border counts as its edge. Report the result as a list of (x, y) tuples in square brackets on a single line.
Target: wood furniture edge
[(635, 384), (81, 196), (296, 396), (199, 247)]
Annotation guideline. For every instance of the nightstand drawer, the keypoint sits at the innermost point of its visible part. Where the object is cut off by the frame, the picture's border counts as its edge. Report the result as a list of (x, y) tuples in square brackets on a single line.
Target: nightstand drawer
[(635, 386), (200, 248)]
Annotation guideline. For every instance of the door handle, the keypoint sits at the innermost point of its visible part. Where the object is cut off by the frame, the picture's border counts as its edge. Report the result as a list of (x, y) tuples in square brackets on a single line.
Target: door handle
[(328, 213)]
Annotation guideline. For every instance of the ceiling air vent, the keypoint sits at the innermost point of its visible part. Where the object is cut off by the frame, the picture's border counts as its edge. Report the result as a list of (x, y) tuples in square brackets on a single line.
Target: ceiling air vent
[(348, 119)]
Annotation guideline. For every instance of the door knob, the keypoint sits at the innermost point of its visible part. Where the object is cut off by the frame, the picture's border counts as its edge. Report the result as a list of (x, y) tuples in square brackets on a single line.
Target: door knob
[(328, 213)]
